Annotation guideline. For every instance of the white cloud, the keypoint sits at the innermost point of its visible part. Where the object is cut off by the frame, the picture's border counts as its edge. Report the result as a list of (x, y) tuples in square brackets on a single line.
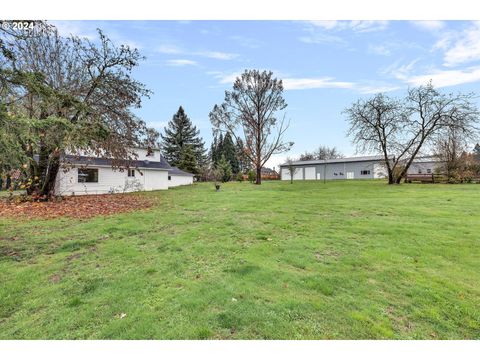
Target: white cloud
[(225, 78), (306, 83), (315, 83), (75, 28), (443, 78), (354, 25), (215, 55), (379, 50), (398, 70), (180, 62), (321, 38), (175, 50), (169, 49), (463, 47), (375, 89), (429, 25)]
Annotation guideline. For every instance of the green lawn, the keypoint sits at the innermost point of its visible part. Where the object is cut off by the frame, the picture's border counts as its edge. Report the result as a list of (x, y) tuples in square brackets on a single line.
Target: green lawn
[(342, 260)]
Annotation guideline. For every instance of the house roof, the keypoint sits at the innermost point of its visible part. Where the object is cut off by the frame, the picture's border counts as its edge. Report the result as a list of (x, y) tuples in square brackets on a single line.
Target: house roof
[(342, 160), (92, 161), (176, 171)]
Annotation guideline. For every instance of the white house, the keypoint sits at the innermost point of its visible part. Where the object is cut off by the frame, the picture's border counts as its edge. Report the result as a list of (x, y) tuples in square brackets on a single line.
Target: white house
[(83, 174)]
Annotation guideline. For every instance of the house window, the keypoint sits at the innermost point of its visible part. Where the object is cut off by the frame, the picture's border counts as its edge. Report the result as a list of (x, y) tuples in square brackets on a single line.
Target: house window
[(131, 172), (364, 172), (88, 175), (169, 177), (429, 171)]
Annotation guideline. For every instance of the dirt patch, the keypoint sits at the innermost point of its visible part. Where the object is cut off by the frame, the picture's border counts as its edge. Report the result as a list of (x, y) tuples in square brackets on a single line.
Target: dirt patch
[(55, 278), (82, 207)]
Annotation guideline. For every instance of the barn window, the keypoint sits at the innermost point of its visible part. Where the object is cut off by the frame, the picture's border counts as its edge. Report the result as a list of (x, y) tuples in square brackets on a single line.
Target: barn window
[(169, 177), (429, 171), (419, 170), (131, 172), (87, 175), (364, 172)]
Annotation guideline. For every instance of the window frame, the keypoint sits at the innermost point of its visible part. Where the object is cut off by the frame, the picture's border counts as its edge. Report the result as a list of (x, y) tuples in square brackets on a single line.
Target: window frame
[(82, 179), (131, 173)]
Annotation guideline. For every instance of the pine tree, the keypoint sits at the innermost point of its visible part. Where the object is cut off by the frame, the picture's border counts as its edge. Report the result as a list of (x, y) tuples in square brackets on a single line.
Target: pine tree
[(476, 152), (230, 153), (224, 168), (179, 134), (188, 161), (214, 150)]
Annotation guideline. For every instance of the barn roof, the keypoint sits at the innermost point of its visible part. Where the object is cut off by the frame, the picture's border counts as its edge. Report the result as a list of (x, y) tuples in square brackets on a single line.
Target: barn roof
[(342, 160)]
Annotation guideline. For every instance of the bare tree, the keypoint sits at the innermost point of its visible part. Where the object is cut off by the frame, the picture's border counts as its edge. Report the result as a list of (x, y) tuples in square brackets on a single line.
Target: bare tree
[(430, 113), (292, 169), (375, 125), (400, 129), (322, 153), (249, 112)]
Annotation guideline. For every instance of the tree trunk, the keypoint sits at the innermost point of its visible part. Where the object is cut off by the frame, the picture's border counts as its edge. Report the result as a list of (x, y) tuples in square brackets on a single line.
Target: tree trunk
[(259, 176)]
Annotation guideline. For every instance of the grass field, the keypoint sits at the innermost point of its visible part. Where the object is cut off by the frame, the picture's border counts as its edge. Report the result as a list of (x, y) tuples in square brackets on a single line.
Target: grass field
[(342, 260)]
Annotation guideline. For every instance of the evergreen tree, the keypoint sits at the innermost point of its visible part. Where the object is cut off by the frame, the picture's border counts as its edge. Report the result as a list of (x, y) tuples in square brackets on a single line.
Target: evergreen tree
[(214, 150), (224, 169), (476, 152), (180, 134), (230, 153), (188, 161)]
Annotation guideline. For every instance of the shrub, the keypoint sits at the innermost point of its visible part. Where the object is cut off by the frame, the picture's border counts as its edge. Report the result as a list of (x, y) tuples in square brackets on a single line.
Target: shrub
[(252, 176)]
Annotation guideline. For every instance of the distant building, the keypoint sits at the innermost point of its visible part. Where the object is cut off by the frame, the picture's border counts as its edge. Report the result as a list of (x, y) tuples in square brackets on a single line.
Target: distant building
[(269, 174), (363, 167)]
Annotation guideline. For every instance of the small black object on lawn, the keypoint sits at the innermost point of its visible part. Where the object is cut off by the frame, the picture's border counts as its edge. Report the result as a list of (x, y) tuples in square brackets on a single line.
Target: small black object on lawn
[(217, 187)]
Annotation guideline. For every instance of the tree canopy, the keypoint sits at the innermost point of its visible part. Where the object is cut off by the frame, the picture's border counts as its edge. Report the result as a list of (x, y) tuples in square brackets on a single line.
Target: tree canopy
[(65, 94), (179, 135)]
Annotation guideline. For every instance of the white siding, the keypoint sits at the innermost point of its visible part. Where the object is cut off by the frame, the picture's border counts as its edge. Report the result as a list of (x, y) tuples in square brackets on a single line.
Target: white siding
[(178, 180), (310, 173), (110, 180)]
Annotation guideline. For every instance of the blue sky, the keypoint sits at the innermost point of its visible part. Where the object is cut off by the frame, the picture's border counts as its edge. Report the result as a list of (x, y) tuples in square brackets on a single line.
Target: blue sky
[(325, 66)]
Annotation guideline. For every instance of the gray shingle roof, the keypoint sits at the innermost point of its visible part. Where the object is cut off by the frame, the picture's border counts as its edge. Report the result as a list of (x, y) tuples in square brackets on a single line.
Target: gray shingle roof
[(92, 161), (176, 171), (342, 160)]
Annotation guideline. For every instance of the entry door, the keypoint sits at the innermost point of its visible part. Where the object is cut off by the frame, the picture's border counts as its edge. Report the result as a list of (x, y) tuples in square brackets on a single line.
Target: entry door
[(319, 176), (350, 175)]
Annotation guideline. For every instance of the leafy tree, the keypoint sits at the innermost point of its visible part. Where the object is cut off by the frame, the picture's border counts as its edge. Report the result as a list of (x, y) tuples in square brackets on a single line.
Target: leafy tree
[(251, 176), (188, 160), (65, 94), (180, 134), (224, 169), (249, 111)]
